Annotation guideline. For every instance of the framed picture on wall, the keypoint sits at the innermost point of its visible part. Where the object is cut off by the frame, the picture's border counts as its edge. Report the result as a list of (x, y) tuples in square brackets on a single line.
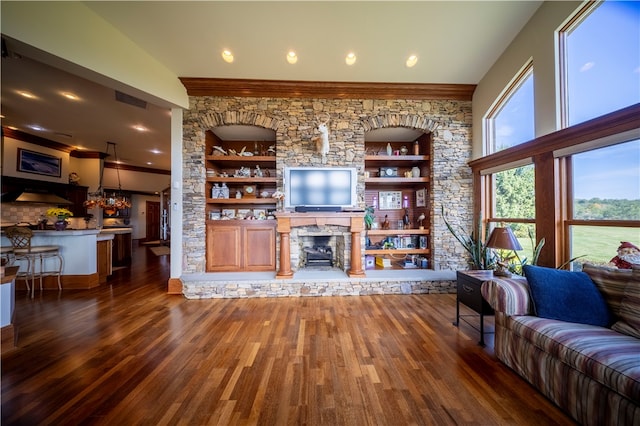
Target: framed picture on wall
[(390, 200), (421, 197), (39, 163)]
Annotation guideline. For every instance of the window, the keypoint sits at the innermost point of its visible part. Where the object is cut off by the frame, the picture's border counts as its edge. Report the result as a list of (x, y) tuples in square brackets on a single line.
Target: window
[(587, 176), (514, 205), (511, 121), (600, 60), (606, 195)]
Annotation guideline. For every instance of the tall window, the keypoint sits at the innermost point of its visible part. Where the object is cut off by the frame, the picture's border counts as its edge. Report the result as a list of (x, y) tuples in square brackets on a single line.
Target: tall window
[(606, 199), (514, 205), (600, 60), (511, 121)]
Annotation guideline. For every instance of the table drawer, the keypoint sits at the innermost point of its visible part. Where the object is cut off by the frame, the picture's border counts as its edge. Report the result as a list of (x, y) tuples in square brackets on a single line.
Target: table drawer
[(469, 293)]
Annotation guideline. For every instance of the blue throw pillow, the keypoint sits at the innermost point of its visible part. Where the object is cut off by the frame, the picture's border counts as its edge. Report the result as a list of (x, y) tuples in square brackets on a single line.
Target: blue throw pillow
[(566, 296)]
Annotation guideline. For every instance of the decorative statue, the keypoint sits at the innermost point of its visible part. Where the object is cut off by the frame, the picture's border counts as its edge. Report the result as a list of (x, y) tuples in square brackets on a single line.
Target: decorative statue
[(405, 219), (628, 255), (322, 145), (386, 224)]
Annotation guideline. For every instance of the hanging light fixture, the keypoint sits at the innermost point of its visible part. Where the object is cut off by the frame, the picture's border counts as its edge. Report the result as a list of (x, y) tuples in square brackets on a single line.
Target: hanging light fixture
[(111, 202)]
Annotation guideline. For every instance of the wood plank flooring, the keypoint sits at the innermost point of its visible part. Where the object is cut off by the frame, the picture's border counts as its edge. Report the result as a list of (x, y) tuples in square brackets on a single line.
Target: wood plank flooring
[(126, 353)]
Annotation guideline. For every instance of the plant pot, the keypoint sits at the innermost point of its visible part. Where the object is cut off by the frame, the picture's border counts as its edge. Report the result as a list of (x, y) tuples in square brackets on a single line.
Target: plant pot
[(60, 225)]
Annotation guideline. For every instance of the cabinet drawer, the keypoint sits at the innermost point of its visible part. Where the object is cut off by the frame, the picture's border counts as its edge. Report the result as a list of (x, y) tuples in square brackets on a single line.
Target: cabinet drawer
[(468, 292)]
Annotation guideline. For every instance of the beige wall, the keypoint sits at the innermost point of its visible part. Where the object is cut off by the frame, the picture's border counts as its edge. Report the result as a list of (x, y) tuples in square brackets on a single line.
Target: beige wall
[(10, 160), (71, 34), (537, 40)]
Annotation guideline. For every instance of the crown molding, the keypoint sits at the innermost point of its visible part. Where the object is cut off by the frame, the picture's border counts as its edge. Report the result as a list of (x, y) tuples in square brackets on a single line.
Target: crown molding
[(111, 165), (36, 140), (324, 89)]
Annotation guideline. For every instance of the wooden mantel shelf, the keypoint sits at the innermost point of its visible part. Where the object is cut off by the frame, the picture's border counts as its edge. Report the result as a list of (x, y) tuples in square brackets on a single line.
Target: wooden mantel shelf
[(288, 220)]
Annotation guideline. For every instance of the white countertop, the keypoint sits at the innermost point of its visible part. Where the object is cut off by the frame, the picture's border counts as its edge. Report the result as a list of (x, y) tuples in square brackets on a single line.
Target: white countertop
[(65, 233), (115, 231)]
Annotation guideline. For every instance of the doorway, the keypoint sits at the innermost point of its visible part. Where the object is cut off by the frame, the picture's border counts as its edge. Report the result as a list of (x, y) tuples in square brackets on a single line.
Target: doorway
[(153, 221)]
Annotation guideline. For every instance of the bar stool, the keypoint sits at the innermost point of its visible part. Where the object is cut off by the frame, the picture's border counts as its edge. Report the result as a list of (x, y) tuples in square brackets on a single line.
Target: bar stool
[(6, 256), (20, 238)]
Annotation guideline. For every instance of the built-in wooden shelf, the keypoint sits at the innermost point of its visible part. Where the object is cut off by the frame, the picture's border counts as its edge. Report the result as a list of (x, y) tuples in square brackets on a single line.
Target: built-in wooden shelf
[(245, 200)]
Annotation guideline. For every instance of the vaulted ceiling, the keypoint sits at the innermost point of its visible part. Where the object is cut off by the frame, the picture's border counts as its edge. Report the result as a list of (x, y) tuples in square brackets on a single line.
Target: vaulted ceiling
[(455, 42)]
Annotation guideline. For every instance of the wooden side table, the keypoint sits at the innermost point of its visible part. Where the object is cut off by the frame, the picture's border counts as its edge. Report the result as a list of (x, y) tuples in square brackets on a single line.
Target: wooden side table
[(468, 292)]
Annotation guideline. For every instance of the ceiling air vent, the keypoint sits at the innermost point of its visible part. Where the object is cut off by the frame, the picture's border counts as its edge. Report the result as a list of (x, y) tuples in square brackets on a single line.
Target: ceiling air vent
[(131, 100)]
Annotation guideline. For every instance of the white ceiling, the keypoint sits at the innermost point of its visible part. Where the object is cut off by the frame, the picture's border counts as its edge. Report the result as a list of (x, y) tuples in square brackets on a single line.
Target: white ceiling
[(456, 42)]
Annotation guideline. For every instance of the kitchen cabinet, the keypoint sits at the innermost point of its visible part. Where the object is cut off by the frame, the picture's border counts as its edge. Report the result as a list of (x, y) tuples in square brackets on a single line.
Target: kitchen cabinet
[(104, 260), (76, 194), (121, 250), (241, 245)]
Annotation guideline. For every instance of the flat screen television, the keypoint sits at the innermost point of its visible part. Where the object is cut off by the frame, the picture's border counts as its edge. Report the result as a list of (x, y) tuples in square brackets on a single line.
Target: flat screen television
[(320, 187)]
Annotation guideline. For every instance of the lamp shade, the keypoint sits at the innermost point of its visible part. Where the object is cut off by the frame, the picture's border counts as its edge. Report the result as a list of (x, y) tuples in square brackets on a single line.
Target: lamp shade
[(503, 238)]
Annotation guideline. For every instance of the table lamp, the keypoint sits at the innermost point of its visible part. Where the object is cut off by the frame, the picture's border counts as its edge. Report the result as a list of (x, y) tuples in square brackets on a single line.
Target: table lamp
[(502, 238)]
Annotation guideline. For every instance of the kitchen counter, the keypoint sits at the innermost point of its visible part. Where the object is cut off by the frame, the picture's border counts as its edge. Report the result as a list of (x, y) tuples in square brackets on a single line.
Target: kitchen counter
[(78, 248), (123, 230), (65, 233)]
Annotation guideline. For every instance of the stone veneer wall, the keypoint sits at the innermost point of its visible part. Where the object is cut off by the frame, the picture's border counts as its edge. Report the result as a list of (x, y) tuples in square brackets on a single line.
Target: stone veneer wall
[(293, 122)]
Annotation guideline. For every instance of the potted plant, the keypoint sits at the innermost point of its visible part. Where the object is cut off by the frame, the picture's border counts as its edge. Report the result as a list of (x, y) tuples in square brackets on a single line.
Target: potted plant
[(481, 256), (62, 215)]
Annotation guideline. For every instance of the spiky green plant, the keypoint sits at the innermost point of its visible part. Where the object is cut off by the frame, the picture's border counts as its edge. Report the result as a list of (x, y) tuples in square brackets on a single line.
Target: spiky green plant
[(481, 256)]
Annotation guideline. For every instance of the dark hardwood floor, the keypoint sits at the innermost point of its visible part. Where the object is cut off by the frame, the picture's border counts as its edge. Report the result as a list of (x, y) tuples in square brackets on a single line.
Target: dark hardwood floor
[(127, 353)]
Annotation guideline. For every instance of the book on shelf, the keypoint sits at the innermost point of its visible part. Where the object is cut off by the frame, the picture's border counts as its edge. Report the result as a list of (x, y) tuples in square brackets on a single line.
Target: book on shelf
[(383, 262)]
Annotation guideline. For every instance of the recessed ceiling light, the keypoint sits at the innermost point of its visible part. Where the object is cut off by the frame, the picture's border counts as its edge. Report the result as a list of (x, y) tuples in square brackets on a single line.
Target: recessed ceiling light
[(292, 58), (156, 151), (149, 163), (350, 59), (140, 128), (227, 56), (27, 95), (36, 127), (70, 96), (411, 61)]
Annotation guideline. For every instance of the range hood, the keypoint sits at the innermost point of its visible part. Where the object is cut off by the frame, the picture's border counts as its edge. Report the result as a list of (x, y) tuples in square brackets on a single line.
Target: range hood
[(34, 197)]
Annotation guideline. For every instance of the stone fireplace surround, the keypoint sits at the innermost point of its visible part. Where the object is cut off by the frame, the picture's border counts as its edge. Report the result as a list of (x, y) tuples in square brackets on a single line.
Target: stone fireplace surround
[(293, 123)]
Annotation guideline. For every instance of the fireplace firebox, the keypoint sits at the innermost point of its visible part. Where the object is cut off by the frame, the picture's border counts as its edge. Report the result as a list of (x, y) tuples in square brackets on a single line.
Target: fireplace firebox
[(321, 254)]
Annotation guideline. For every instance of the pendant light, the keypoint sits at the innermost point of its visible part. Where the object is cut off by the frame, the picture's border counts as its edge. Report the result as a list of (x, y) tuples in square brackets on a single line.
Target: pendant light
[(111, 203)]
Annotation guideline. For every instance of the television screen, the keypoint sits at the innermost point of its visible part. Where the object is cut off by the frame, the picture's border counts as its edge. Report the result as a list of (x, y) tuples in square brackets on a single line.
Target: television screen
[(320, 186)]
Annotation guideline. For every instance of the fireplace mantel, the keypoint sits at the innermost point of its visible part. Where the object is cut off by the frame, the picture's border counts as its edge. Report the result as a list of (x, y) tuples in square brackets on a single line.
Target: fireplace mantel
[(288, 220)]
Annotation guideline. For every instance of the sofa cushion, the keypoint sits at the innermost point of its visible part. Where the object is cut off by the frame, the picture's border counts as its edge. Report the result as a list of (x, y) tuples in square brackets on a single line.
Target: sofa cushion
[(629, 322), (611, 282), (604, 355), (566, 296)]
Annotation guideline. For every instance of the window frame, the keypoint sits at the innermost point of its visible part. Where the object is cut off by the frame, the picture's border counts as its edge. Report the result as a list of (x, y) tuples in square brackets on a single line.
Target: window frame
[(489, 119)]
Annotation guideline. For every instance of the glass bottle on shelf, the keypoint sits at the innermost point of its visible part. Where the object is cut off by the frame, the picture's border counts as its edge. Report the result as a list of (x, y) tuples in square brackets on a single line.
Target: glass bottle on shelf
[(416, 148)]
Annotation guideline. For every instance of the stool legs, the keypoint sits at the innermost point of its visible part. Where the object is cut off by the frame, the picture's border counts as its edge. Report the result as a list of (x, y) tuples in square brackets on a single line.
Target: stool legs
[(35, 268)]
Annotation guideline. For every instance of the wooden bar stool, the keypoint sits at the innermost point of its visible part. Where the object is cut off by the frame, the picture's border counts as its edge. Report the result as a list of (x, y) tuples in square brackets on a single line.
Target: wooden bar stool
[(34, 256)]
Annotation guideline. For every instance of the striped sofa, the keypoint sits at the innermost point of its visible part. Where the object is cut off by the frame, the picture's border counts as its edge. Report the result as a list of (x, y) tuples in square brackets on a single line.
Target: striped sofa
[(591, 372)]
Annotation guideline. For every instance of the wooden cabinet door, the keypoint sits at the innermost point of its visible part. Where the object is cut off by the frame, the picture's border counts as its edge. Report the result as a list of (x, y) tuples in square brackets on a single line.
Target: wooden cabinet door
[(224, 248), (259, 248), (104, 260)]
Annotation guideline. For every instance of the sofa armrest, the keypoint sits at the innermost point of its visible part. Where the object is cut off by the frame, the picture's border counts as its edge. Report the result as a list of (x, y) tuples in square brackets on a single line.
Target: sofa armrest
[(508, 295)]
